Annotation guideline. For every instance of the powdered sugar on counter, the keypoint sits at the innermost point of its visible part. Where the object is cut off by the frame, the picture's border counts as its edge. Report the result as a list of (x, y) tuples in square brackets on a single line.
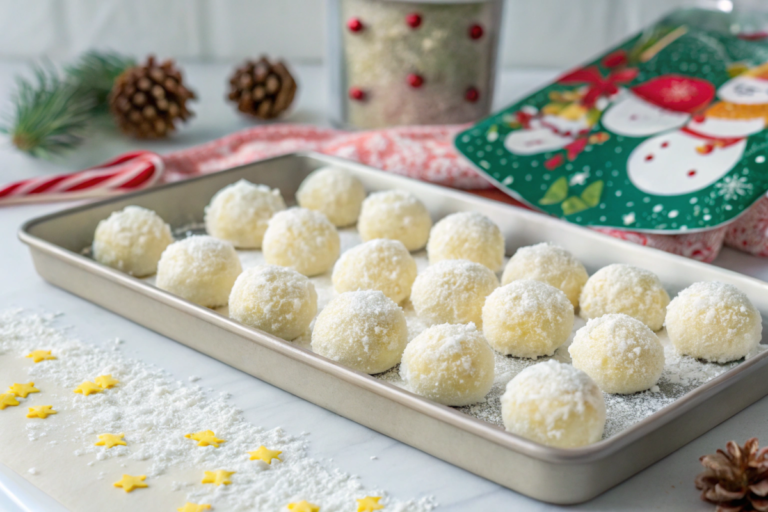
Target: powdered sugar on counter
[(155, 411)]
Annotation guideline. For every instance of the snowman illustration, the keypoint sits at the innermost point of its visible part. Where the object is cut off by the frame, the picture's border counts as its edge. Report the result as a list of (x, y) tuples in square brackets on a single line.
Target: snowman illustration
[(552, 128), (707, 147), (658, 105), (570, 115)]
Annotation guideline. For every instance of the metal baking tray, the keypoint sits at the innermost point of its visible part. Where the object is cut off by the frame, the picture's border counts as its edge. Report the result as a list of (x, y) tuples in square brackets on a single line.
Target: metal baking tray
[(545, 473)]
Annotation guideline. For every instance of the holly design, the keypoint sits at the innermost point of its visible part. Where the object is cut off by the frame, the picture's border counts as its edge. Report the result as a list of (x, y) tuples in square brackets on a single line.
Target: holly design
[(565, 149)]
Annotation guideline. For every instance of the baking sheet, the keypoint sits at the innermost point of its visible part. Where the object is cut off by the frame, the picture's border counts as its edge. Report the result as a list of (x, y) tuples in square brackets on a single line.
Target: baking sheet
[(478, 445)]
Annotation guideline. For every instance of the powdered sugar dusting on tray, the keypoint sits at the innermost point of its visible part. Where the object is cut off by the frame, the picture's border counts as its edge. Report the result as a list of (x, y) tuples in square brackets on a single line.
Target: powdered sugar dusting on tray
[(681, 374)]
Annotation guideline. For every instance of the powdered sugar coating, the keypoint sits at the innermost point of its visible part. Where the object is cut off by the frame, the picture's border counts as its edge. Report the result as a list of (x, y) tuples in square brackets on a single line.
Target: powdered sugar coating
[(131, 240), (527, 318), (334, 192), (239, 213), (550, 264), (363, 330), (201, 269), (397, 215), (619, 352), (620, 288), (467, 236), (304, 240), (384, 265), (713, 321), (451, 364), (275, 299), (453, 292), (554, 404)]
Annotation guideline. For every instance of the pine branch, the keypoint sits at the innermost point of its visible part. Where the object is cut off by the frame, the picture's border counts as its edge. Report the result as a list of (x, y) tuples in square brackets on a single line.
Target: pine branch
[(50, 115), (95, 73)]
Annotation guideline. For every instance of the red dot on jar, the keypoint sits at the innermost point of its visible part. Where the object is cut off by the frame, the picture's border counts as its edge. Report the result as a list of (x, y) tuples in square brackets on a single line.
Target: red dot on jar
[(472, 95), (415, 80), (356, 93), (355, 25), (413, 20), (648, 158), (664, 144), (691, 173), (476, 31)]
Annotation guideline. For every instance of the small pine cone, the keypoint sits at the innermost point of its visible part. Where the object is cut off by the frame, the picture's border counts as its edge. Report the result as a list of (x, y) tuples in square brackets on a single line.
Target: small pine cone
[(736, 480), (262, 89), (146, 100)]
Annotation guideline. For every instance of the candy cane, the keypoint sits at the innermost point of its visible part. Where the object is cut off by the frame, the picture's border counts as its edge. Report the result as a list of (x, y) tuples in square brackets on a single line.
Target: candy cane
[(126, 173)]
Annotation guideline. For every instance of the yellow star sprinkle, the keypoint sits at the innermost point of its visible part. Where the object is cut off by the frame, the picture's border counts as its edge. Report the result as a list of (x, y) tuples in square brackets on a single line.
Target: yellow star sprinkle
[(369, 504), (129, 483), (88, 388), (219, 477), (303, 506), (265, 455), (205, 438), (191, 507), (8, 400), (23, 390), (40, 355), (106, 381), (41, 411), (110, 440)]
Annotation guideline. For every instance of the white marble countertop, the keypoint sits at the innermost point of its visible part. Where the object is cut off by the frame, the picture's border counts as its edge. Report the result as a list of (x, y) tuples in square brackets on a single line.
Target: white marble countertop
[(405, 472)]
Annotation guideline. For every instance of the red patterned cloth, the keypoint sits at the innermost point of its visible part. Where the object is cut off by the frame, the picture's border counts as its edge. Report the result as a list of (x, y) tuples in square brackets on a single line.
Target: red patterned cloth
[(749, 232), (421, 152)]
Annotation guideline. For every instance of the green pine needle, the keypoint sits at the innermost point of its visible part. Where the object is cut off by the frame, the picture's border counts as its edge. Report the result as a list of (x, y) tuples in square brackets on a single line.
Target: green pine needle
[(52, 112), (95, 73), (50, 115)]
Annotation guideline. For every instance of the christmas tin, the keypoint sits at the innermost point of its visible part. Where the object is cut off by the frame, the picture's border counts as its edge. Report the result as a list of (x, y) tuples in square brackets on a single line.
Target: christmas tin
[(406, 63), (662, 134)]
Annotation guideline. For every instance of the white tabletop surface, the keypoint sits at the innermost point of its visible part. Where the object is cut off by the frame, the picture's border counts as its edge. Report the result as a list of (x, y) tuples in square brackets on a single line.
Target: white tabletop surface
[(404, 471)]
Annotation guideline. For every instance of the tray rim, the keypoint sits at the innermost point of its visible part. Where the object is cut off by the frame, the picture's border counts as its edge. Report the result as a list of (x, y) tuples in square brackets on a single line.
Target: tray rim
[(492, 433)]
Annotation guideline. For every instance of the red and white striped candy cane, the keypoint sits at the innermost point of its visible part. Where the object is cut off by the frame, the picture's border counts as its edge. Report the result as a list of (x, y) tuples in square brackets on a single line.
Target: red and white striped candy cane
[(126, 173)]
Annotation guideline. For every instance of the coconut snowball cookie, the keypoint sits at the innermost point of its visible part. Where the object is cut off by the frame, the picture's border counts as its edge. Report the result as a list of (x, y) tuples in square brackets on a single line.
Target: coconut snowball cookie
[(467, 236), (527, 318), (620, 353), (451, 364), (396, 215), (713, 321), (384, 265), (625, 289), (277, 300), (201, 269), (335, 193), (239, 213), (453, 292), (304, 240), (555, 404), (131, 240), (363, 330), (550, 264)]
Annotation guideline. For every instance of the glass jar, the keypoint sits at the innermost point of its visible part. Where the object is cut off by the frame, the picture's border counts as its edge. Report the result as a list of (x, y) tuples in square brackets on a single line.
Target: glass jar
[(396, 62)]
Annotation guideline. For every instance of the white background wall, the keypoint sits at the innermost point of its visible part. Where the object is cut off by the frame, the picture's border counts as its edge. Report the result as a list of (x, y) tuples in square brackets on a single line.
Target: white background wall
[(538, 33)]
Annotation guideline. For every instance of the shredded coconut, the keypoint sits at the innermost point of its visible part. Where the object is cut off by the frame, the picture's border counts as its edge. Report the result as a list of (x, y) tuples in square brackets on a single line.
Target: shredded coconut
[(155, 411), (239, 213), (468, 236)]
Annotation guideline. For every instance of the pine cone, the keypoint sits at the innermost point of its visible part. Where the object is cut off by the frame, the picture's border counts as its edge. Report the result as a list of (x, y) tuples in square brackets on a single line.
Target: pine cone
[(262, 89), (147, 100), (736, 481)]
